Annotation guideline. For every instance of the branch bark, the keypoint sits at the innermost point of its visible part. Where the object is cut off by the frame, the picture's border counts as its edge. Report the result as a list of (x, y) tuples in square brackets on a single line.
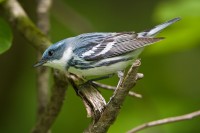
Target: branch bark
[(113, 107), (92, 99), (43, 7), (42, 73), (165, 121), (54, 106), (42, 77)]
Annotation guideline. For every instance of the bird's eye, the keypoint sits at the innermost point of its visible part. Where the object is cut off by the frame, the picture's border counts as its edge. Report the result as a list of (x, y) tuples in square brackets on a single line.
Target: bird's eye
[(50, 53)]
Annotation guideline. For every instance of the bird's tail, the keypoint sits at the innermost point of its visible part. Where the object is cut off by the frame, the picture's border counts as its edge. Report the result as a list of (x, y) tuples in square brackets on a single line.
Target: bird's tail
[(152, 32)]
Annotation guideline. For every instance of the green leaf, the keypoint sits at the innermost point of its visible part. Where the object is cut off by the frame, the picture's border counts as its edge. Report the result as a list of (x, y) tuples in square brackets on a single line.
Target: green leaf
[(5, 36)]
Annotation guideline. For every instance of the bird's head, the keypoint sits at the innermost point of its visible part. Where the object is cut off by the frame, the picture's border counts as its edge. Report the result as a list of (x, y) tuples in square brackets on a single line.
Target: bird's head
[(56, 56)]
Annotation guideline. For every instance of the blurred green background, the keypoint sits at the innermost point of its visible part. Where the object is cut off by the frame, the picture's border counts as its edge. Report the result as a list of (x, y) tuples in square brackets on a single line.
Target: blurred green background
[(171, 85)]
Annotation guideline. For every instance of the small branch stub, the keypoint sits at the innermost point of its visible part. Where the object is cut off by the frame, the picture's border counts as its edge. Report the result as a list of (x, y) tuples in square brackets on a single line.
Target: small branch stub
[(92, 98)]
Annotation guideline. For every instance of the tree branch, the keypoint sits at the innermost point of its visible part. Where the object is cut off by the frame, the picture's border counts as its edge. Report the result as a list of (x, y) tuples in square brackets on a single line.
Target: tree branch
[(42, 73), (165, 121), (54, 106), (113, 107), (108, 87), (42, 76), (43, 7)]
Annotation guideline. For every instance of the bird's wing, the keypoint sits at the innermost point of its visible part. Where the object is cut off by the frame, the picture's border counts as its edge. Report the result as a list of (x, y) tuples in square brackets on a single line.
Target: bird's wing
[(85, 42), (115, 45)]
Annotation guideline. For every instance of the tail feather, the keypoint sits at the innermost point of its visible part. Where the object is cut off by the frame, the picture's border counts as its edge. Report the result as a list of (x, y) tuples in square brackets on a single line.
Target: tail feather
[(152, 32)]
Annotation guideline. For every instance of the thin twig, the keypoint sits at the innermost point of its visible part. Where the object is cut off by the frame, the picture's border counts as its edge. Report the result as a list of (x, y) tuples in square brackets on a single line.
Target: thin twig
[(108, 87), (165, 121), (42, 73), (113, 107), (92, 99)]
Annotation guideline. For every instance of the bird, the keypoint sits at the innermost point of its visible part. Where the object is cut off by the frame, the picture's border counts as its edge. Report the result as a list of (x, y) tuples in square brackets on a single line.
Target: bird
[(100, 53)]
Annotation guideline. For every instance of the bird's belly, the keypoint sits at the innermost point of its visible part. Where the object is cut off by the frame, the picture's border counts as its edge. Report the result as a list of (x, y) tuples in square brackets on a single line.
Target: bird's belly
[(103, 70)]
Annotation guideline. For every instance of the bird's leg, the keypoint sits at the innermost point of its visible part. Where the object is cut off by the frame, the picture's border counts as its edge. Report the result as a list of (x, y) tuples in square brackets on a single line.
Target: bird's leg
[(120, 74)]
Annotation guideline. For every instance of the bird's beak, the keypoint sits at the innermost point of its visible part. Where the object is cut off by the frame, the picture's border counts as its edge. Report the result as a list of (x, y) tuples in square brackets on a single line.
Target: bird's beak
[(40, 63)]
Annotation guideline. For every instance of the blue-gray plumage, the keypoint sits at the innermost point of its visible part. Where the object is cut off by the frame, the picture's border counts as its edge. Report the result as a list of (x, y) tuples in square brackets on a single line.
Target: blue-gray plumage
[(93, 54)]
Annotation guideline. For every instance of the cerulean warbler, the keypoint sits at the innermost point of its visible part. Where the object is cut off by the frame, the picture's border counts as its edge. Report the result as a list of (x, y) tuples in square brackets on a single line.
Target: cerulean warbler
[(93, 54)]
